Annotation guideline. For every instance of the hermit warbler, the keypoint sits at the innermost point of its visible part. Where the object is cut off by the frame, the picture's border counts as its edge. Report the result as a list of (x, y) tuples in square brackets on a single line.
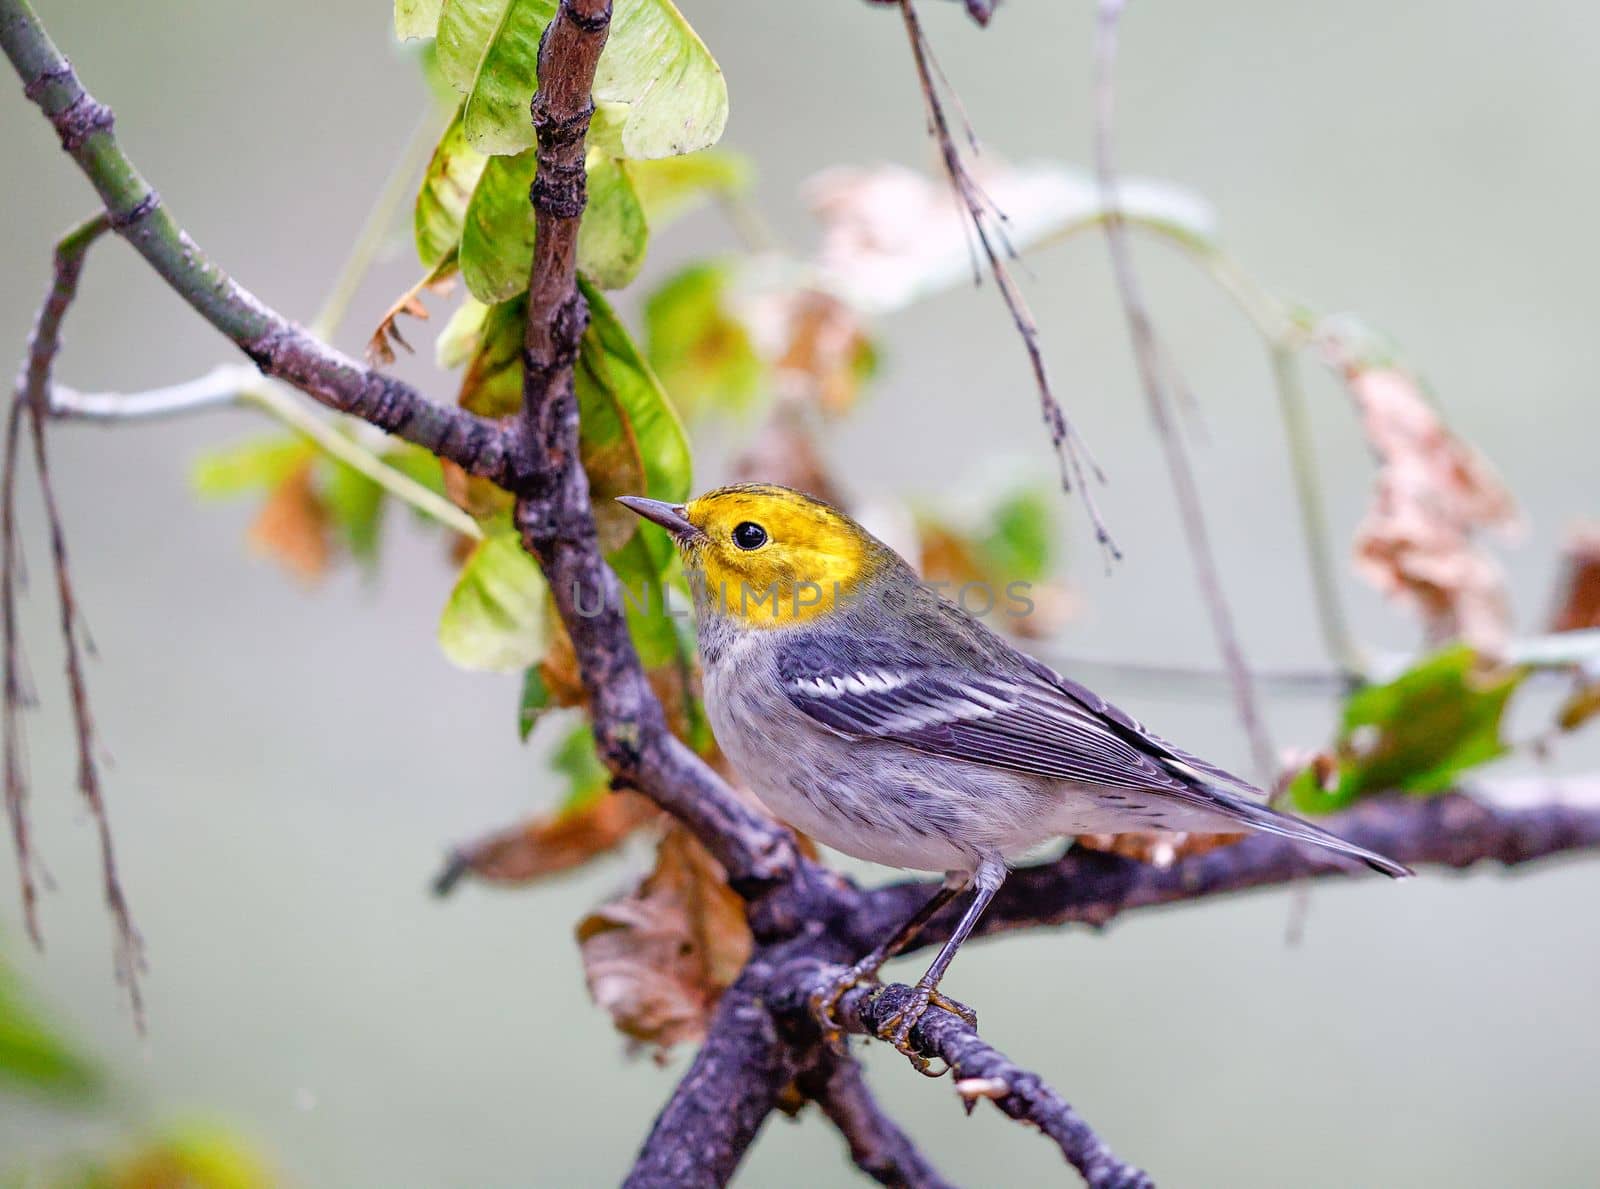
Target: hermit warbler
[(886, 722)]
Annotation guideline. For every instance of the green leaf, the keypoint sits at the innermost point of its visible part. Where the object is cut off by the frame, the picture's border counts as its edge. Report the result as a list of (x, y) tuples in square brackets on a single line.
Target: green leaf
[(653, 65), (458, 341), (1020, 541), (1417, 733), (465, 27), (497, 239), (577, 759), (32, 1056), (447, 188), (257, 465), (418, 465), (535, 701), (673, 186), (355, 505), (610, 361), (494, 619), (702, 353), (416, 18), (492, 386)]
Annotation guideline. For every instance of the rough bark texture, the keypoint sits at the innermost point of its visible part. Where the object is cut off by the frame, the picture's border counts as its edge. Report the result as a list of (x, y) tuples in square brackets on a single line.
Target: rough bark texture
[(807, 920)]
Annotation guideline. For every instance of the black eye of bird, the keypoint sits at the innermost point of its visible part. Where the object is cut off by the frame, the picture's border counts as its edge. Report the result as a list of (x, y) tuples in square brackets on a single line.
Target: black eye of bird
[(749, 535)]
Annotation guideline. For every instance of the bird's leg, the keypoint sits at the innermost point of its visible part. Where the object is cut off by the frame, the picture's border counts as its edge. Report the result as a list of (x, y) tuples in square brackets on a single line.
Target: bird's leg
[(826, 997), (991, 874)]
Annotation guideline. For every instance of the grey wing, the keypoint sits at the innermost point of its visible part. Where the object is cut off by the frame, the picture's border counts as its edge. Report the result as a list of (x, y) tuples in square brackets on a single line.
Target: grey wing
[(884, 691), (1025, 718)]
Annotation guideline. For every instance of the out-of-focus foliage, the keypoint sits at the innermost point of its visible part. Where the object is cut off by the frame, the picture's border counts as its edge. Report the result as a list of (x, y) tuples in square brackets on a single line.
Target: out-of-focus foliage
[(34, 1057), (1432, 496), (701, 350), (315, 506), (1417, 733), (192, 1155)]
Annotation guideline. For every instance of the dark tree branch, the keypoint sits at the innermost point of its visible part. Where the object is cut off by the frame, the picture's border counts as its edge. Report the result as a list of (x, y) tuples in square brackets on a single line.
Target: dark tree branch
[(877, 1145), (553, 512), (717, 1108), (1455, 830), (1148, 356), (1021, 1094), (278, 347)]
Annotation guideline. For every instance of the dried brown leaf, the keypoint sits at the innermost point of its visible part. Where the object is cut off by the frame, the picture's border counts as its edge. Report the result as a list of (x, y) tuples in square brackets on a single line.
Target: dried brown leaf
[(817, 344), (556, 842), (293, 526), (1578, 604), (380, 347), (1434, 493), (659, 957)]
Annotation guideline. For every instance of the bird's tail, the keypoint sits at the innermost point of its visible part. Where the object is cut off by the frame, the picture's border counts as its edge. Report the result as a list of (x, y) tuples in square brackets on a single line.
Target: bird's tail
[(1269, 821)]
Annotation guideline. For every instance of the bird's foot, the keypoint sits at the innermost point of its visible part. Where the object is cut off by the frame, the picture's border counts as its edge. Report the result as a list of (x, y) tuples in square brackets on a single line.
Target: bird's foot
[(826, 998), (898, 1026)]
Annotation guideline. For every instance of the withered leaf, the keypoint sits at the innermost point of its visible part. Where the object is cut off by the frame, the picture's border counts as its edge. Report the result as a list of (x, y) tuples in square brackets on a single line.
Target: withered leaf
[(1433, 494), (555, 842), (438, 279), (659, 957), (293, 526), (1578, 603)]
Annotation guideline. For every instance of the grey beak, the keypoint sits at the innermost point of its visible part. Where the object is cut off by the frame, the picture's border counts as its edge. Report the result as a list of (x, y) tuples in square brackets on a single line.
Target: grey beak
[(668, 516)]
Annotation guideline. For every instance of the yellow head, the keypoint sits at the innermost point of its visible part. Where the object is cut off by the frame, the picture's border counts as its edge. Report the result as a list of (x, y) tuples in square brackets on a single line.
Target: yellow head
[(768, 555)]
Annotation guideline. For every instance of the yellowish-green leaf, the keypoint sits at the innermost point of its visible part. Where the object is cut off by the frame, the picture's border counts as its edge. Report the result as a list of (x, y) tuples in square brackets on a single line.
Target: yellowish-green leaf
[(447, 188), (33, 1057), (497, 240), (494, 619), (257, 465), (458, 341), (654, 63), (416, 18), (673, 186), (465, 27), (702, 353)]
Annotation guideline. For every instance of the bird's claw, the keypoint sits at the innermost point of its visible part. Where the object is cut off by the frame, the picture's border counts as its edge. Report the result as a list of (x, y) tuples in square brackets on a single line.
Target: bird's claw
[(900, 1024), (825, 999)]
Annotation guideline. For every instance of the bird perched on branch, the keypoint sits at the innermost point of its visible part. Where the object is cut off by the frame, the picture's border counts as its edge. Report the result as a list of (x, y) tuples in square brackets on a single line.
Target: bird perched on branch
[(888, 723)]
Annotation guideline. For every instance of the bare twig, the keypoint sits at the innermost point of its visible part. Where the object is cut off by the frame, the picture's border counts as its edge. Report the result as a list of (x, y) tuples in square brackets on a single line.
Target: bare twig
[(1336, 635), (276, 345), (1148, 355), (33, 403), (877, 1145), (1072, 454)]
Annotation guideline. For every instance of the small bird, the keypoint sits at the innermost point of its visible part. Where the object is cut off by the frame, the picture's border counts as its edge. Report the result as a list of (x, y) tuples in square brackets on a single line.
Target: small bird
[(888, 723)]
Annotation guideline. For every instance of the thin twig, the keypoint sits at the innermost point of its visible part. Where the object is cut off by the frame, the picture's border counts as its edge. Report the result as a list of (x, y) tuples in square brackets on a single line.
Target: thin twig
[(276, 345), (240, 386), (1072, 455), (33, 402), (1336, 635), (1147, 356)]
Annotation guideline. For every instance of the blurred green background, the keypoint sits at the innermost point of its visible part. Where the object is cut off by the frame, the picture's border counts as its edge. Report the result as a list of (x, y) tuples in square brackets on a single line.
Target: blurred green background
[(288, 767)]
